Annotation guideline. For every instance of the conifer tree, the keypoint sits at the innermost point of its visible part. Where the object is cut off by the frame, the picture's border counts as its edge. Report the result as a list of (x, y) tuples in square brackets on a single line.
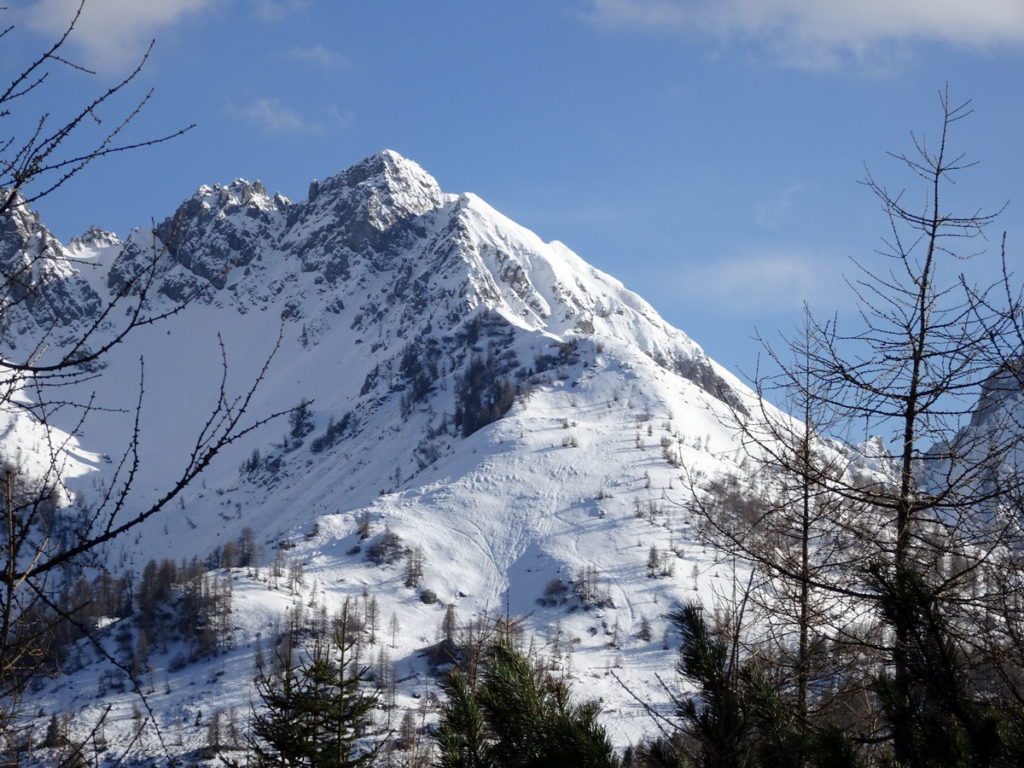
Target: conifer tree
[(315, 711), (55, 735), (462, 730), (448, 623), (738, 716), (518, 716)]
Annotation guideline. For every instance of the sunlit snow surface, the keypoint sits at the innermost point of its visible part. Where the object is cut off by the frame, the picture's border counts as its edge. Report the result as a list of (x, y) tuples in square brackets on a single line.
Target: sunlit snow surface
[(377, 260)]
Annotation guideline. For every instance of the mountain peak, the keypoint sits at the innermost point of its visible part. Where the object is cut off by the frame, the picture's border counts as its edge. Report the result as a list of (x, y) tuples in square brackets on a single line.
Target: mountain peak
[(358, 209), (1000, 392), (384, 168), (95, 237), (239, 193), (387, 181), (388, 162), (221, 227)]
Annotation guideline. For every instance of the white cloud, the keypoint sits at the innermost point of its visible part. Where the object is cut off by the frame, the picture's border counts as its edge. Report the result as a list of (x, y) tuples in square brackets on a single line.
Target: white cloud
[(319, 56), (827, 33), (762, 281), (111, 33), (273, 116)]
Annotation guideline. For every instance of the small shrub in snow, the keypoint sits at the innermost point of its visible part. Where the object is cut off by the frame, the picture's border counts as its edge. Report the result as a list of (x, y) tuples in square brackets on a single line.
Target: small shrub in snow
[(251, 464), (363, 527), (645, 630), (333, 433), (556, 592), (386, 548)]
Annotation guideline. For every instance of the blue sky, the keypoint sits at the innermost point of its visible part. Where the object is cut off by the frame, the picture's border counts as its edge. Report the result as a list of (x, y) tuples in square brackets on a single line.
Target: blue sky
[(707, 154)]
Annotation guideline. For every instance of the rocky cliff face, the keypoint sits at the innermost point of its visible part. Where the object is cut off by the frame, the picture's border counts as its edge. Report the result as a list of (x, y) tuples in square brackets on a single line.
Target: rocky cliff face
[(43, 294)]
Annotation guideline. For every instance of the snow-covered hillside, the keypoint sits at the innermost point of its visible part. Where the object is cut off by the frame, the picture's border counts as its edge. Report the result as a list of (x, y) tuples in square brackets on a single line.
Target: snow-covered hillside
[(516, 418)]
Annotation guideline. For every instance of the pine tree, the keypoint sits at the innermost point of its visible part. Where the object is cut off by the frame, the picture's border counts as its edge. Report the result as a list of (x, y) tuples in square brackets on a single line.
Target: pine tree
[(739, 716), (363, 525), (518, 716), (300, 421), (414, 568), (315, 711), (55, 735), (140, 659), (247, 548), (372, 618), (448, 623), (258, 654), (462, 730), (394, 628), (652, 562), (645, 629), (407, 731), (213, 733)]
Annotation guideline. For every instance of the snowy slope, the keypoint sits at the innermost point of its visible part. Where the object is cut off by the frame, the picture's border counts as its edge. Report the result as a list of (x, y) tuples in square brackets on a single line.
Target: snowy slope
[(408, 317)]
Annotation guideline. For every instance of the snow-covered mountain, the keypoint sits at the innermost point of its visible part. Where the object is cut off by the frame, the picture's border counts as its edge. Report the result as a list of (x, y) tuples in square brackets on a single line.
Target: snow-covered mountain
[(490, 402)]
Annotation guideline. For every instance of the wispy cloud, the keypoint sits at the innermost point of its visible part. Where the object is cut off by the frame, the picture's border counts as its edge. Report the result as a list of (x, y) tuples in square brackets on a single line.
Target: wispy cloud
[(762, 281), (273, 116), (273, 10), (111, 33), (771, 212), (270, 115), (319, 56), (821, 34)]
